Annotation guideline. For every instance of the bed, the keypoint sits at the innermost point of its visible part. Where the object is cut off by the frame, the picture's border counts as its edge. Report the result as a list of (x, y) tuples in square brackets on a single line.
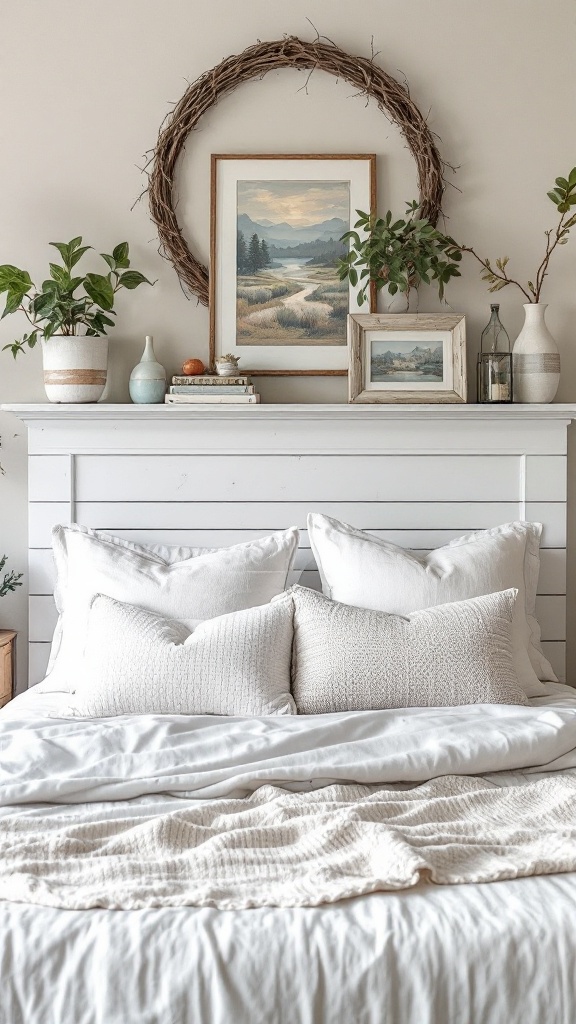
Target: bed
[(427, 952)]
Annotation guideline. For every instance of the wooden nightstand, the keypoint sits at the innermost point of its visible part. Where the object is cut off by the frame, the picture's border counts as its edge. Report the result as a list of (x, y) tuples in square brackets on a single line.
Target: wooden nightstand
[(7, 665)]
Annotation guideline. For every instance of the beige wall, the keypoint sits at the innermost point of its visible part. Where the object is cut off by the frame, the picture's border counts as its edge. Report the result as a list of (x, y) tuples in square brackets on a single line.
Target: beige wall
[(84, 88)]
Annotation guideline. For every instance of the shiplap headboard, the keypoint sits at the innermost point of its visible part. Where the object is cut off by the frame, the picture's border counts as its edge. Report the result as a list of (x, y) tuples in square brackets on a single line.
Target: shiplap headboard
[(418, 476)]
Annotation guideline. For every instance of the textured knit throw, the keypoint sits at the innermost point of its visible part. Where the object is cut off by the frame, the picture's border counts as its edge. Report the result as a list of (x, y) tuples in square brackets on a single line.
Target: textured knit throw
[(278, 848)]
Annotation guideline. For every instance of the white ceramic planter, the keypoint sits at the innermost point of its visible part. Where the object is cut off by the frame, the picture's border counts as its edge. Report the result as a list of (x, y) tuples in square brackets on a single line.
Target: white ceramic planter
[(535, 358), (75, 368)]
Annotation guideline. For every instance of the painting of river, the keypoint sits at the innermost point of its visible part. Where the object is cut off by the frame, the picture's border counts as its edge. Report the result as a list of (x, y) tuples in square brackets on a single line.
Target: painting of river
[(401, 362), (288, 246)]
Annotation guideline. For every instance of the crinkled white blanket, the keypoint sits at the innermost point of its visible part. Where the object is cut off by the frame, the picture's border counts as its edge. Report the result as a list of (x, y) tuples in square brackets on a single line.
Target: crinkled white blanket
[(348, 830)]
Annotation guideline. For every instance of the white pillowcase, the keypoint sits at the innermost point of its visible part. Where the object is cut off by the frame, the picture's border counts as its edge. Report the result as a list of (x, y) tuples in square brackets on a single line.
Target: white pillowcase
[(358, 569), (186, 584), (138, 663), (352, 659)]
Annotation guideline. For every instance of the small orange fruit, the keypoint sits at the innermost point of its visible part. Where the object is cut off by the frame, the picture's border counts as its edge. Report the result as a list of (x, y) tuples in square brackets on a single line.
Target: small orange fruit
[(192, 367)]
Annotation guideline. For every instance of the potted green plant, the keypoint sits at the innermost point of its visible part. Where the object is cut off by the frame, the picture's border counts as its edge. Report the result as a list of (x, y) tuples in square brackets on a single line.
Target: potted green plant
[(398, 254), (535, 358), (70, 314)]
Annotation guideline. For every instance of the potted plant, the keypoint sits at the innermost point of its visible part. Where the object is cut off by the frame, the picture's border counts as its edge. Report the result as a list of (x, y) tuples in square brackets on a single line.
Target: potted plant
[(398, 254), (535, 360), (70, 314)]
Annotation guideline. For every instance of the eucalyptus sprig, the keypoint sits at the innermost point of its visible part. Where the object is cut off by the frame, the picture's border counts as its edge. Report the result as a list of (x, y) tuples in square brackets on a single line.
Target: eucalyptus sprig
[(563, 195), (11, 579), (57, 307), (399, 254)]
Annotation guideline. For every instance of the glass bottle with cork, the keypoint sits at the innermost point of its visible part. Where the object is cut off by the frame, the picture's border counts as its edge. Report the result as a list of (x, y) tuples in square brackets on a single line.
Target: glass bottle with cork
[(495, 361)]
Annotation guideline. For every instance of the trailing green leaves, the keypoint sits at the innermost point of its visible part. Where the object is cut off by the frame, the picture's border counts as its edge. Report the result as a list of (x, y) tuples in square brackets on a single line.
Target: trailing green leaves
[(56, 307), (398, 255)]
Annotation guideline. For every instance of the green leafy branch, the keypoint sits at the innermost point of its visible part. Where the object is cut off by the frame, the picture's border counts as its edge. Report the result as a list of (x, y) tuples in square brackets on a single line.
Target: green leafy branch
[(11, 579), (56, 307), (563, 195), (398, 255)]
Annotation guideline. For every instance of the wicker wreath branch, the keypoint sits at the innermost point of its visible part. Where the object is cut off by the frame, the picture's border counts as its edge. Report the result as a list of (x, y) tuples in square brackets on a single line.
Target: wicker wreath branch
[(392, 97)]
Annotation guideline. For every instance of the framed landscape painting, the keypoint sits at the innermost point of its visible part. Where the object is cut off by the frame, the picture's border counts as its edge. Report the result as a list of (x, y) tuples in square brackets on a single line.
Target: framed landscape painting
[(400, 357), (276, 300)]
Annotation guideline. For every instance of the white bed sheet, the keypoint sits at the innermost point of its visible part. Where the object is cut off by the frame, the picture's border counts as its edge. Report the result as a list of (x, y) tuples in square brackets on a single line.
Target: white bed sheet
[(475, 954)]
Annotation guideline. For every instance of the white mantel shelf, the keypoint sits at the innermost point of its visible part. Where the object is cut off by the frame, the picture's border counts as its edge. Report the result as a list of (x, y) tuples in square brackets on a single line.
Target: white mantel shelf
[(256, 413)]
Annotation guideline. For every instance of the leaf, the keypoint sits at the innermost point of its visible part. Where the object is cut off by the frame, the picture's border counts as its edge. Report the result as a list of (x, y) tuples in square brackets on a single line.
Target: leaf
[(64, 250), (13, 301), (556, 199), (132, 278), (353, 275), (60, 275), (12, 277), (109, 260), (120, 254), (562, 182), (76, 256), (572, 177), (100, 290), (75, 243)]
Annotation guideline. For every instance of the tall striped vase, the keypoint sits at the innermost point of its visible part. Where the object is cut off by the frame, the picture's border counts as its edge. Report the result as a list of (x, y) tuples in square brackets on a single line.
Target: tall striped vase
[(535, 358), (75, 368)]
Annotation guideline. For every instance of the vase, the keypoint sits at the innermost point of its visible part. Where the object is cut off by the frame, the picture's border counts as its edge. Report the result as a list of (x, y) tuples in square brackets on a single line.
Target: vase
[(148, 378), (75, 368), (535, 358)]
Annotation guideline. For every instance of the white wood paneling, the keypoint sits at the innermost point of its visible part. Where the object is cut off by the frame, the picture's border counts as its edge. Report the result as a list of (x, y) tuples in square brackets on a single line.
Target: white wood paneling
[(418, 476), (546, 477), (556, 654), (552, 579), (309, 478), (551, 614), (38, 654), (49, 478)]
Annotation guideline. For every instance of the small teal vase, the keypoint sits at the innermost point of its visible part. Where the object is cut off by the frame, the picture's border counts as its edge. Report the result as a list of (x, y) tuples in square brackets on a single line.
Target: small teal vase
[(148, 378)]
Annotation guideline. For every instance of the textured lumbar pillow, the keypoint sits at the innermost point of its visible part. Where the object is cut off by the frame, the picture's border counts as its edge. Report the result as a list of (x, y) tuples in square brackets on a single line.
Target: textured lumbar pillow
[(362, 570), (187, 584), (139, 663), (351, 659)]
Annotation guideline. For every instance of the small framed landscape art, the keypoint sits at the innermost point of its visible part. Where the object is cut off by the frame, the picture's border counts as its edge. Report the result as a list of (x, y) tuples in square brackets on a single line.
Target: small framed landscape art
[(276, 300), (400, 357)]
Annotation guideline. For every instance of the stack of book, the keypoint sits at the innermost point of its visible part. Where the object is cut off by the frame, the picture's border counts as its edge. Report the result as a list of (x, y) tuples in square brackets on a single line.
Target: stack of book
[(209, 390)]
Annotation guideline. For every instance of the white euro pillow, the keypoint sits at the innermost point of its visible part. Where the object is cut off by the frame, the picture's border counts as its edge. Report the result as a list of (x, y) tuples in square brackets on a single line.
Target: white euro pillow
[(139, 663), (353, 659), (184, 584), (359, 569)]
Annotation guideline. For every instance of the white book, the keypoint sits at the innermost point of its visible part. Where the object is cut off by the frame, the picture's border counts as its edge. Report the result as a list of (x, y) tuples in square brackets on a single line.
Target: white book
[(212, 399)]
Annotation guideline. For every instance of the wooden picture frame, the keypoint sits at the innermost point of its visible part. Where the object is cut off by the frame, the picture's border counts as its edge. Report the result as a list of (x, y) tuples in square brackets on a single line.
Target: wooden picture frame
[(407, 358), (311, 339)]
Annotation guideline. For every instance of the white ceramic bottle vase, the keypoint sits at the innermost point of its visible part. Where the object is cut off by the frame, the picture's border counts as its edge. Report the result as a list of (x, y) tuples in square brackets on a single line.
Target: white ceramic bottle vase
[(535, 358), (148, 378)]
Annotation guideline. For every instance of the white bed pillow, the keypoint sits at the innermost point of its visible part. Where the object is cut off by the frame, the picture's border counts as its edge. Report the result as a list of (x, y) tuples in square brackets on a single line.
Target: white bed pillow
[(363, 570), (353, 659), (187, 584), (139, 663)]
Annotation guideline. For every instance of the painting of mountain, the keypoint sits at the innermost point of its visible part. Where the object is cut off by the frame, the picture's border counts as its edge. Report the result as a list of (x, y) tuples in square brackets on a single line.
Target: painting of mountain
[(288, 245), (405, 362)]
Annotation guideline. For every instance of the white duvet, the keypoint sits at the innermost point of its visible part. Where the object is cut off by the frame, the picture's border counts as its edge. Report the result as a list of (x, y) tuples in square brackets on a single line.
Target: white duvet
[(476, 954)]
